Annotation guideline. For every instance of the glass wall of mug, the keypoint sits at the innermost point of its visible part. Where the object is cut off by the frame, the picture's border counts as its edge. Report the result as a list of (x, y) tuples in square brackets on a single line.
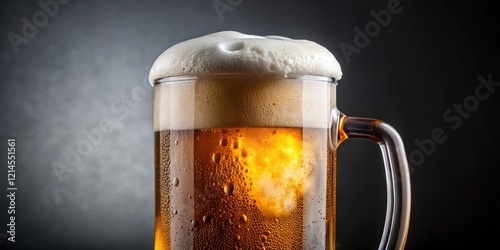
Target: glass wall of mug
[(244, 162)]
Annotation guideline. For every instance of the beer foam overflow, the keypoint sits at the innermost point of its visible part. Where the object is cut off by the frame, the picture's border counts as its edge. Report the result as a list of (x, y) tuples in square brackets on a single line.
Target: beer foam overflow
[(234, 52)]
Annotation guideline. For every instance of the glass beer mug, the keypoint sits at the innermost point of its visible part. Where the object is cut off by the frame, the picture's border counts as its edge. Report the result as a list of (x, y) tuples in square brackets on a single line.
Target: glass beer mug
[(248, 161)]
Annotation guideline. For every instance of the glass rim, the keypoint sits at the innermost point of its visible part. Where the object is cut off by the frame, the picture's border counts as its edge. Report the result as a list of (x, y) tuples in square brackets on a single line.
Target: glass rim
[(170, 79)]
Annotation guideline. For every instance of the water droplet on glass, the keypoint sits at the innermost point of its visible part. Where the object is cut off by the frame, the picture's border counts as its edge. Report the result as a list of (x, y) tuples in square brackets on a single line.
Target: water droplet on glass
[(235, 145), (176, 142), (243, 218), (216, 157), (176, 182), (175, 211), (267, 233), (244, 153), (223, 142), (207, 219), (229, 188), (237, 238), (263, 238), (194, 223)]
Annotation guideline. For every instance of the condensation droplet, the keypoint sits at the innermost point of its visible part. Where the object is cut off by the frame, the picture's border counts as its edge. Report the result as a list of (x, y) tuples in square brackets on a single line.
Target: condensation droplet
[(243, 218), (176, 182), (207, 219), (267, 233), (175, 211), (244, 153), (237, 238), (216, 157), (229, 188), (263, 238), (223, 142), (235, 145), (194, 223), (176, 142)]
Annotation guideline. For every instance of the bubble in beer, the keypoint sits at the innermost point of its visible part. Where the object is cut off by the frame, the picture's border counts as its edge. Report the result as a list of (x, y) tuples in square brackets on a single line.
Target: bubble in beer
[(176, 182), (229, 188), (216, 157)]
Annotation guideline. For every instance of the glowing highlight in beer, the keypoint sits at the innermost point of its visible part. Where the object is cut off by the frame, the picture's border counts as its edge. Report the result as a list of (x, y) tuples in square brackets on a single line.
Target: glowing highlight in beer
[(275, 168)]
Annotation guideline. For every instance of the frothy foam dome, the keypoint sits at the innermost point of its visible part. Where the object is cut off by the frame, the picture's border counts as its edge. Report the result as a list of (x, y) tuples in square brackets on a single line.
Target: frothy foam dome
[(234, 52)]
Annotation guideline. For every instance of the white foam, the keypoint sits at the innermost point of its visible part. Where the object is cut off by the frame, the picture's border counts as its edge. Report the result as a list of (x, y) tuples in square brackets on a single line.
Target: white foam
[(234, 52), (257, 94)]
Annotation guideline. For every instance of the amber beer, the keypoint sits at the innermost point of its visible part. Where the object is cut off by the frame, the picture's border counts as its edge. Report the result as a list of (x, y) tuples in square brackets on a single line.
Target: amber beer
[(251, 179)]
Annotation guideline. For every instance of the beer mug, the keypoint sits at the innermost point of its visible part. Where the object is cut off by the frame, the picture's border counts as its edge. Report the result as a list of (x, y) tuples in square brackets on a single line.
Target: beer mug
[(246, 160)]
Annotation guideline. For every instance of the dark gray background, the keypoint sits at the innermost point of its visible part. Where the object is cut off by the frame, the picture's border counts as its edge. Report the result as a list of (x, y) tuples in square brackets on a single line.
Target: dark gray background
[(93, 55)]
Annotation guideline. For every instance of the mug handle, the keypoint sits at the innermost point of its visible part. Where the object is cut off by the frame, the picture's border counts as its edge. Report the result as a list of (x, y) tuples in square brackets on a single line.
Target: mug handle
[(397, 218)]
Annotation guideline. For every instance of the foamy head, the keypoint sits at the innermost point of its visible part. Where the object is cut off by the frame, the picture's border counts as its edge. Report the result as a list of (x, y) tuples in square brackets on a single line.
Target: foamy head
[(233, 52), (243, 81), (242, 101)]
